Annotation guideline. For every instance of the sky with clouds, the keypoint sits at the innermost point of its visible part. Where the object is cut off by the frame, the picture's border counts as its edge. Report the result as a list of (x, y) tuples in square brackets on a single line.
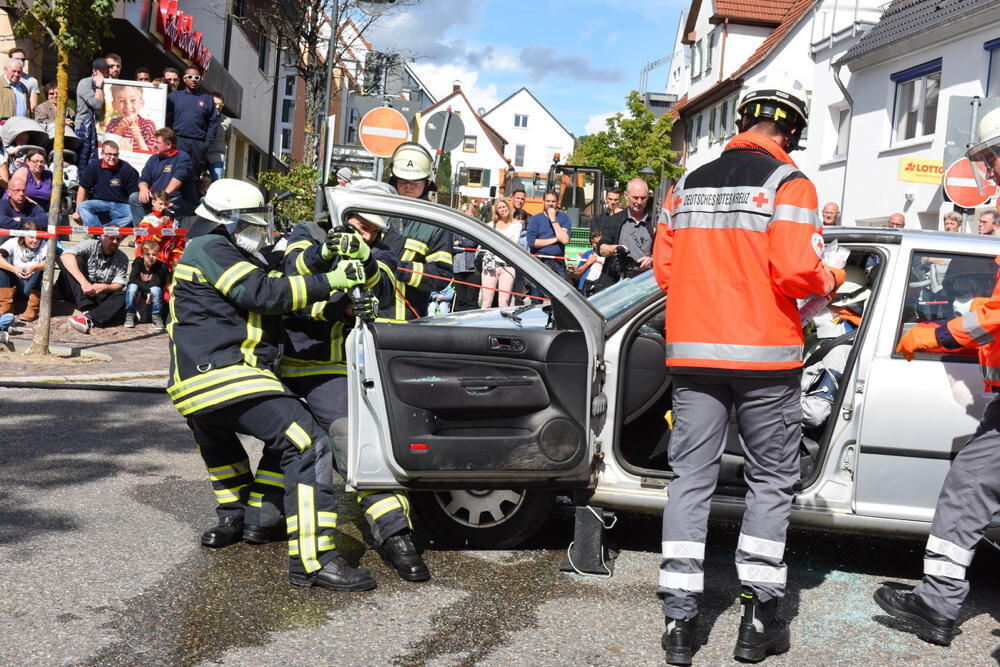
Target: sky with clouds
[(580, 58)]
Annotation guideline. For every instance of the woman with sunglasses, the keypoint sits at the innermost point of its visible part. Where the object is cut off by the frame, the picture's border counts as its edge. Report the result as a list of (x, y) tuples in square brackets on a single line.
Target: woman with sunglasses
[(45, 113), (37, 177), (192, 115)]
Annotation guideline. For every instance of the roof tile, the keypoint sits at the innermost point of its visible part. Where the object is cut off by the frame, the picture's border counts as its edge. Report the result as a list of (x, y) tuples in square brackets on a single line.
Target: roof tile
[(758, 11)]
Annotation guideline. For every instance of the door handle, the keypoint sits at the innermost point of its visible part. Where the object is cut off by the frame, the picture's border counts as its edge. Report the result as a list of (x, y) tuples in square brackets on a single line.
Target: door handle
[(506, 344)]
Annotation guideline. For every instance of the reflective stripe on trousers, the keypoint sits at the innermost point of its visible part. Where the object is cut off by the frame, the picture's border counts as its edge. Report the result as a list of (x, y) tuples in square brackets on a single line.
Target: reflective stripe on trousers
[(969, 499), (768, 413)]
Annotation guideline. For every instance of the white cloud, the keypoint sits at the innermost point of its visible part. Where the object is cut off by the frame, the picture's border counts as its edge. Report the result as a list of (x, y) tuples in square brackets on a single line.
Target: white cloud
[(598, 122), (439, 79)]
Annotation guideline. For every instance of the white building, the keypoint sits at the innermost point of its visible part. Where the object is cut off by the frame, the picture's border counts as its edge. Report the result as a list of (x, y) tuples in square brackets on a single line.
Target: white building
[(902, 76), (533, 133), (481, 152)]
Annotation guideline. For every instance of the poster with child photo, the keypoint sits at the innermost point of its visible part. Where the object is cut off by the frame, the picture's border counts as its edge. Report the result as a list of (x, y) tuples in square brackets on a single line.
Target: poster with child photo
[(133, 112)]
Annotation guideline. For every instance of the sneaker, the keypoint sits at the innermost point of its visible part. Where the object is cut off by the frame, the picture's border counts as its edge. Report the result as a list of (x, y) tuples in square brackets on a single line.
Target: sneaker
[(129, 320), (157, 323), (81, 323)]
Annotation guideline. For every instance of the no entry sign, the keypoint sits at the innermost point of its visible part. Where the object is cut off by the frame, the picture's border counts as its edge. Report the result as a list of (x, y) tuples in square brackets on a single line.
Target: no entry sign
[(382, 130), (961, 188)]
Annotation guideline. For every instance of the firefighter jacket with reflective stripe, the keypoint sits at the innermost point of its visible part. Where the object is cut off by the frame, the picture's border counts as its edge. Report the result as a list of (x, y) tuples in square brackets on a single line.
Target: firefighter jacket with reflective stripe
[(315, 336), (225, 321), (979, 328), (740, 241), (424, 253)]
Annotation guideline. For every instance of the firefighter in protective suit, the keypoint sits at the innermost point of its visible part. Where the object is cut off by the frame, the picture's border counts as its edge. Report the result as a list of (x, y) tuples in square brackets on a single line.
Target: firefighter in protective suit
[(313, 364), (748, 221), (970, 497), (425, 264), (225, 331)]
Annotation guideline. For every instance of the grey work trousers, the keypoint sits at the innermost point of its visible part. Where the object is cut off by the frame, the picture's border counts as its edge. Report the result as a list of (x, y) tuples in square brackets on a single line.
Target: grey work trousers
[(769, 415), (968, 502)]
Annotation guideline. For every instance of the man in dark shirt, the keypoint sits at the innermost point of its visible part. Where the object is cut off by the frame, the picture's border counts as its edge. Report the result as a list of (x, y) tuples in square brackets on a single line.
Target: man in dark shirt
[(16, 208), (548, 234), (192, 115), (169, 169), (105, 186), (628, 235)]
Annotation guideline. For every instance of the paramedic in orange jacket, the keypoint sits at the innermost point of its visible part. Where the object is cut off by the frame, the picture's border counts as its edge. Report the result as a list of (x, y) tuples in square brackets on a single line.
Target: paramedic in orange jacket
[(739, 243)]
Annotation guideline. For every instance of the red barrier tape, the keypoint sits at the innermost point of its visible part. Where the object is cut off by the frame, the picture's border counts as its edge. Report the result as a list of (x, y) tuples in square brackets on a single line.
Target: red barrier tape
[(63, 230), (462, 282), (565, 259)]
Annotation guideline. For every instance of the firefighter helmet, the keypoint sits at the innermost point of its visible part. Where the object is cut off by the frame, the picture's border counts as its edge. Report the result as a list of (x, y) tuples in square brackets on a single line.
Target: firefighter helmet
[(984, 155), (241, 209), (779, 98), (411, 162)]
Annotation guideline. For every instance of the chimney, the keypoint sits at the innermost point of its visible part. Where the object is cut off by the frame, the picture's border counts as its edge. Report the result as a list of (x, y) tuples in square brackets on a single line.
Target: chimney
[(456, 86)]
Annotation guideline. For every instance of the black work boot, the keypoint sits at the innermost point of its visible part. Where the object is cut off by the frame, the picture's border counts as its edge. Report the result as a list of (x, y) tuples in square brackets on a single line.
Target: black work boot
[(678, 640), (399, 552), (336, 575), (762, 633), (264, 534), (907, 606), (228, 531)]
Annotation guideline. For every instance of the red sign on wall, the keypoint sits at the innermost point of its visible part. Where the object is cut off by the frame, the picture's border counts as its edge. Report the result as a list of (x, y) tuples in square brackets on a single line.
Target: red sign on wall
[(177, 29)]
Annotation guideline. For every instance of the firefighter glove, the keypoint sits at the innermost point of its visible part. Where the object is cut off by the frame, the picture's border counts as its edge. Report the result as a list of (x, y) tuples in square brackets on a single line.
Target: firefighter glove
[(916, 340), (347, 274), (347, 244), (365, 304)]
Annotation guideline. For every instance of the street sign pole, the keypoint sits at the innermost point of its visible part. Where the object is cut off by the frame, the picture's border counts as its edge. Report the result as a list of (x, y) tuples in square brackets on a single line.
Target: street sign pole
[(441, 144)]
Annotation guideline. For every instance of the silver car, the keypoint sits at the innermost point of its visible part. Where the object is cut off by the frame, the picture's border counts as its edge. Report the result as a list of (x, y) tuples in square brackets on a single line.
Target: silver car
[(494, 412)]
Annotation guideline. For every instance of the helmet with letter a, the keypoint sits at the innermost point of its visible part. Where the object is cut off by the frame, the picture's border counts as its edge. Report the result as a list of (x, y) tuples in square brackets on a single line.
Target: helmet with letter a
[(985, 155), (777, 97)]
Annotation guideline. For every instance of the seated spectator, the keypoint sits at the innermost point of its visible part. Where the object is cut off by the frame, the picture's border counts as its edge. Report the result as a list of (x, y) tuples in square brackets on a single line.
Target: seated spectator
[(588, 272), (37, 177), (146, 283), (153, 225), (168, 169), (105, 187), (94, 274), (16, 208), (13, 94), (440, 301), (45, 113), (22, 260)]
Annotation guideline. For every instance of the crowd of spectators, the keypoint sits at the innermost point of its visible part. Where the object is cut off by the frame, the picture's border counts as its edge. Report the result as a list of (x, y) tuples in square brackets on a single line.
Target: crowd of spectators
[(102, 188)]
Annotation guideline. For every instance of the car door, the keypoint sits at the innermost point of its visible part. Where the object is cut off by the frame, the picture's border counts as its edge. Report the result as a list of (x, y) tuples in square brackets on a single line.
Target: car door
[(916, 415), (474, 399)]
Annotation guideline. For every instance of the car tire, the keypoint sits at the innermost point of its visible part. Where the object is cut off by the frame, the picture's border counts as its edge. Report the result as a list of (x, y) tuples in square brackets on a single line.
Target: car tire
[(484, 519)]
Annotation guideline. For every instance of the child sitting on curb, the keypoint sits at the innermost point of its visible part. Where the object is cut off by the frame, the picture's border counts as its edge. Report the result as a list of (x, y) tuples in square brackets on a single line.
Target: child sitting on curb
[(145, 285)]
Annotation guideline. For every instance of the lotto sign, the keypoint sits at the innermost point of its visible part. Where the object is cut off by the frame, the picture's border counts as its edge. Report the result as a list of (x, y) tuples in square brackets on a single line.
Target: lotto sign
[(961, 188), (920, 170), (382, 130)]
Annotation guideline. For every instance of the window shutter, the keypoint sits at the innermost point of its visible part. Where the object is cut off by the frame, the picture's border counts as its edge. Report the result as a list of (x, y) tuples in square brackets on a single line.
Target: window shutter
[(486, 177)]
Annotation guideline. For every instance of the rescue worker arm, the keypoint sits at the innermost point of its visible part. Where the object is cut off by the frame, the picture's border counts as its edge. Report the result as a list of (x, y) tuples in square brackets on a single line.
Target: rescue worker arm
[(795, 243), (435, 271), (979, 327), (251, 287), (923, 339), (663, 247), (304, 257)]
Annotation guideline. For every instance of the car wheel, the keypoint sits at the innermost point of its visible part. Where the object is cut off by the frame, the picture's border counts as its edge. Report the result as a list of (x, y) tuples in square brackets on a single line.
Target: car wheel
[(484, 518)]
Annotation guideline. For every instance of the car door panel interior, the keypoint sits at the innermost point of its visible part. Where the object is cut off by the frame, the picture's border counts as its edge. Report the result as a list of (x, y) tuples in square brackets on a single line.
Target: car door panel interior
[(464, 399)]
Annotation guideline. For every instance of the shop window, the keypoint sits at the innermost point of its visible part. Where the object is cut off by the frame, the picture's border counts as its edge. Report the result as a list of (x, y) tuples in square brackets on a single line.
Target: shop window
[(942, 286), (993, 71), (519, 155), (469, 145), (916, 104)]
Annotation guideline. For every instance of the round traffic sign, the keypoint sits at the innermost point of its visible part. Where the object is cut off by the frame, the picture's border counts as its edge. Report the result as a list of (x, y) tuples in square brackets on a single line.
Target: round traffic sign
[(382, 130), (960, 185), (435, 129)]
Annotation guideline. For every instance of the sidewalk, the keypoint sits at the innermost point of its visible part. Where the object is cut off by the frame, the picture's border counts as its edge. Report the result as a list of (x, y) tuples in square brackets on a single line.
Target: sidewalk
[(114, 354)]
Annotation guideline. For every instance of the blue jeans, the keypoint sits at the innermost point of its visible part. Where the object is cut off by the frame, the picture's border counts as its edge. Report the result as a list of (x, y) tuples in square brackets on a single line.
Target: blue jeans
[(217, 170), (23, 287), (557, 265), (133, 290), (95, 212)]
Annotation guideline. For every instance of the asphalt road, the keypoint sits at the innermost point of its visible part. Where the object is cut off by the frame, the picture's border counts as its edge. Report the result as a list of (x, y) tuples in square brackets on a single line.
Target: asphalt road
[(103, 499)]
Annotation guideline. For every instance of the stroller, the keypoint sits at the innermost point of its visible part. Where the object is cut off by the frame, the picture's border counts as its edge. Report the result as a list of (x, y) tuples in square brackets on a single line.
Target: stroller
[(20, 134)]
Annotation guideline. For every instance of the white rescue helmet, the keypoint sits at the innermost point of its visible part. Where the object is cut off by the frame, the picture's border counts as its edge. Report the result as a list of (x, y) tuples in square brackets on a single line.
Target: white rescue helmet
[(376, 187), (777, 97), (411, 162), (985, 155), (241, 209)]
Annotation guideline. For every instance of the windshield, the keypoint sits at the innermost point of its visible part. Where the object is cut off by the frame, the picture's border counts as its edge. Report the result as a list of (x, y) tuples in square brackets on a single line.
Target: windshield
[(623, 295)]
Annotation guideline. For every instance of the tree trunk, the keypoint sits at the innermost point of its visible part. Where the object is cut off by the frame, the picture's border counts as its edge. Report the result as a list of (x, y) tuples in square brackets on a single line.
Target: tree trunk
[(40, 341)]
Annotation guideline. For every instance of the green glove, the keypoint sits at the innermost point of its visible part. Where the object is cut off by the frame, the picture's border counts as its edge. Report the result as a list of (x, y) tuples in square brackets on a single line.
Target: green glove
[(365, 305), (326, 252), (347, 274), (347, 244)]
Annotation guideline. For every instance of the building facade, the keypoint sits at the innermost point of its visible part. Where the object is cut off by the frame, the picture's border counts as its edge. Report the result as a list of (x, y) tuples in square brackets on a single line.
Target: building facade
[(534, 135)]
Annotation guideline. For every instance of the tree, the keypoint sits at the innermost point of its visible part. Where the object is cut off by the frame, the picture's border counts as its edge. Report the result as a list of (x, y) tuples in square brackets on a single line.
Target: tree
[(631, 143), (443, 178), (300, 182), (73, 26), (302, 29)]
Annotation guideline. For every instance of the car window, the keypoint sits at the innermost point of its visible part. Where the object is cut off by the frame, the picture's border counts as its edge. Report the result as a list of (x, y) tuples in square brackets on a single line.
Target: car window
[(625, 294), (842, 316), (943, 286)]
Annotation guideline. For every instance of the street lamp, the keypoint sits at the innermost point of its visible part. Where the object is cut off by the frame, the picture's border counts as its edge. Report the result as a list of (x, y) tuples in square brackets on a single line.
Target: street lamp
[(372, 8)]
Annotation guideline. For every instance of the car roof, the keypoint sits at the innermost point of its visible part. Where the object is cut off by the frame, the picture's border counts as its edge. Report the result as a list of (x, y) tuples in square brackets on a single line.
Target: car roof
[(954, 241)]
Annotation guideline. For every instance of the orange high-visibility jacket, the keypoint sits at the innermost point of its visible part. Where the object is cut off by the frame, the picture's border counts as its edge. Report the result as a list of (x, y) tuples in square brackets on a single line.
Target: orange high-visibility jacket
[(739, 242), (979, 328)]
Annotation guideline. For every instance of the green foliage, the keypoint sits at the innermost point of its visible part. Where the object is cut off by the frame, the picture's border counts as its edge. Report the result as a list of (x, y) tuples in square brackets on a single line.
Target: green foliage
[(443, 178), (300, 180), (631, 142), (89, 19)]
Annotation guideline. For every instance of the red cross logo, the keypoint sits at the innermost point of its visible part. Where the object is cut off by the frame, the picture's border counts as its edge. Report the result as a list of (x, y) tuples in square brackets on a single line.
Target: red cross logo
[(760, 200)]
